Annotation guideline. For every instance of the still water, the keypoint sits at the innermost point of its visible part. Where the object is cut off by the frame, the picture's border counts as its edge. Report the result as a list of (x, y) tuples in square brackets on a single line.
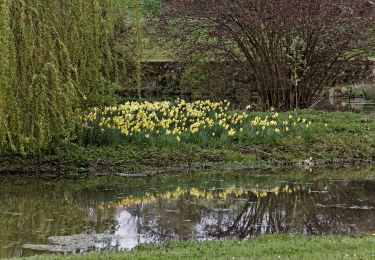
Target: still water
[(100, 213)]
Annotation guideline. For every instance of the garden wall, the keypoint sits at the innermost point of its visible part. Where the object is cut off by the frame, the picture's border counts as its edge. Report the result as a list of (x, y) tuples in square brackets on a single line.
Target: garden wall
[(218, 81)]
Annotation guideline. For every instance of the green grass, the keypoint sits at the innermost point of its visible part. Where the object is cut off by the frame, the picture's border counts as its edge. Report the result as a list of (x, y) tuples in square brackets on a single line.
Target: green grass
[(349, 137), (266, 247)]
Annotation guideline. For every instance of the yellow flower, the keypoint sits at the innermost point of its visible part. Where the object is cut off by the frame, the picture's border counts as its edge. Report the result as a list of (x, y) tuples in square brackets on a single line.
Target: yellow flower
[(232, 132), (277, 130)]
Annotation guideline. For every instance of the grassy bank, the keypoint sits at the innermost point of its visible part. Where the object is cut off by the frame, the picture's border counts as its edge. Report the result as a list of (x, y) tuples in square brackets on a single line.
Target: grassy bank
[(267, 247), (332, 138)]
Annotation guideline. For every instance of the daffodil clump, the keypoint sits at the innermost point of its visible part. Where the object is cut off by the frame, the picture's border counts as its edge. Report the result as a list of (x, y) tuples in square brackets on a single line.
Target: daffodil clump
[(178, 119), (275, 124), (189, 121)]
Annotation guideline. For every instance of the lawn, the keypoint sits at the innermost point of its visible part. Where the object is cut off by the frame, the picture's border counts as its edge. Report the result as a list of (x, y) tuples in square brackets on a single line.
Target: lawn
[(266, 247)]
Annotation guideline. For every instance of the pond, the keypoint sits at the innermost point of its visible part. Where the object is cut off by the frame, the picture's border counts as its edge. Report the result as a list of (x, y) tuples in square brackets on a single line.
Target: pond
[(78, 215)]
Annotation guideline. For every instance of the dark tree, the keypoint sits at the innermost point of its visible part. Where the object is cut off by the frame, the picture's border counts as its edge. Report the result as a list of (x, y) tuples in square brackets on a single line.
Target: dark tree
[(293, 50)]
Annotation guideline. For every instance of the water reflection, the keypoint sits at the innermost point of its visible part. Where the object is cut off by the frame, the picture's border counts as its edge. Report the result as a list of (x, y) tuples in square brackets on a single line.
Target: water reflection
[(333, 208), (119, 213)]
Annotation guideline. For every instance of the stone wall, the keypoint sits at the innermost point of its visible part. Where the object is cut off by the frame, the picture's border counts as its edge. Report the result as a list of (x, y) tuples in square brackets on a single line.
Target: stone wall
[(162, 80)]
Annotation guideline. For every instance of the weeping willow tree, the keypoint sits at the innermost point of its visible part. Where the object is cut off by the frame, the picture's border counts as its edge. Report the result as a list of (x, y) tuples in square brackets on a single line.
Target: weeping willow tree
[(9, 111), (55, 57)]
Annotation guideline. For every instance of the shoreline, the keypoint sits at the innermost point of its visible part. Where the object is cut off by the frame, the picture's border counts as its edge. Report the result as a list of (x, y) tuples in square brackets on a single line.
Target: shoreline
[(335, 139), (52, 170)]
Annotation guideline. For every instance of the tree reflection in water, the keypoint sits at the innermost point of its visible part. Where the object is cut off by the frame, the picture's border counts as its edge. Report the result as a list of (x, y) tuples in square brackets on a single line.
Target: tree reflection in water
[(337, 209), (298, 211), (129, 213)]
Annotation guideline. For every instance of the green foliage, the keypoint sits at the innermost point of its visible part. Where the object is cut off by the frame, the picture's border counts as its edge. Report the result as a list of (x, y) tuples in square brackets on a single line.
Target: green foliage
[(56, 57), (8, 93)]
